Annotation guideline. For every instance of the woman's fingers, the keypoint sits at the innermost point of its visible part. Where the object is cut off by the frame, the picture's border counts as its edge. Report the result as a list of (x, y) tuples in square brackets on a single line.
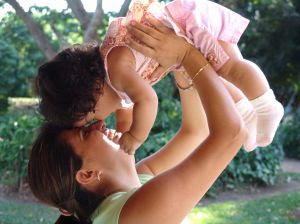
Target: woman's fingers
[(145, 29), (148, 51), (168, 50), (157, 24), (142, 36)]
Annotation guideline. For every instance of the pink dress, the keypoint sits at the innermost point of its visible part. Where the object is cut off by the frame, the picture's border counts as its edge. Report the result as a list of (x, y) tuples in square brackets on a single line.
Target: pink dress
[(201, 22)]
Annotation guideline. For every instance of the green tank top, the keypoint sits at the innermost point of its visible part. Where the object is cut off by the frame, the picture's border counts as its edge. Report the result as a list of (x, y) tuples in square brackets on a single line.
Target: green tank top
[(109, 210)]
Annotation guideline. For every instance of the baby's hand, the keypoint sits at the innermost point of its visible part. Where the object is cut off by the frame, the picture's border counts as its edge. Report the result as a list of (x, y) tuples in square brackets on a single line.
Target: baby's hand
[(129, 143)]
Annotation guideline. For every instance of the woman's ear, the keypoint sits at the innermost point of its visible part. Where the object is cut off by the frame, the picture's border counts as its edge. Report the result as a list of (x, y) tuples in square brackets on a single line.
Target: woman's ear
[(86, 176)]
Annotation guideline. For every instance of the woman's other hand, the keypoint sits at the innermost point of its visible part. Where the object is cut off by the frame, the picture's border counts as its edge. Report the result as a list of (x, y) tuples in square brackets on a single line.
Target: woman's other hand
[(160, 42)]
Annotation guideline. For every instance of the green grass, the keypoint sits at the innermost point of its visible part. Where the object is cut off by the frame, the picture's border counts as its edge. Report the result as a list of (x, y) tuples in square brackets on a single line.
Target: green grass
[(274, 210), (26, 213)]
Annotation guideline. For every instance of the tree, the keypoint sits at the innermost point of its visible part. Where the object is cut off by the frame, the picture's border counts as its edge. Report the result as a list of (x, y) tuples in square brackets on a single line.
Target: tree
[(90, 24)]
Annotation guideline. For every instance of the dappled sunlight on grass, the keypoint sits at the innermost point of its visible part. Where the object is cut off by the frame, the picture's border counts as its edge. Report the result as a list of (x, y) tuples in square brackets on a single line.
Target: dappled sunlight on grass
[(214, 213), (274, 210)]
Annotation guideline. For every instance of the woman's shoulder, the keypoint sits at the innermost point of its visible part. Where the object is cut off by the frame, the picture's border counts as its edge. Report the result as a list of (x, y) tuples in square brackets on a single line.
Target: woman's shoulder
[(109, 210)]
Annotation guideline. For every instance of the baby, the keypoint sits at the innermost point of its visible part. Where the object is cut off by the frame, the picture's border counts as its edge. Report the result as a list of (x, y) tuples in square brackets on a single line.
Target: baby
[(75, 88), (215, 31)]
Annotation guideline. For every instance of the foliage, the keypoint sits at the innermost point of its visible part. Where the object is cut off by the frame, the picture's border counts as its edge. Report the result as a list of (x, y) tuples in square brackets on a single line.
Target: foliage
[(19, 57), (289, 134), (64, 22), (260, 166), (19, 53), (17, 131)]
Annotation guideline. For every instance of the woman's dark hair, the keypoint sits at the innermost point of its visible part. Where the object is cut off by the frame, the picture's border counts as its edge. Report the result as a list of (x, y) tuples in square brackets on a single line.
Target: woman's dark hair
[(51, 175), (70, 84)]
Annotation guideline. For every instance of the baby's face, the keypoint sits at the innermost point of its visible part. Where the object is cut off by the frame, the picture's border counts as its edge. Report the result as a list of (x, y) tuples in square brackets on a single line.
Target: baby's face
[(107, 103)]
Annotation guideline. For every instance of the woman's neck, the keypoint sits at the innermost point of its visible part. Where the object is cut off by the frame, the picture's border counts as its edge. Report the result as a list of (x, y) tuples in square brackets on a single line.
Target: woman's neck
[(124, 180)]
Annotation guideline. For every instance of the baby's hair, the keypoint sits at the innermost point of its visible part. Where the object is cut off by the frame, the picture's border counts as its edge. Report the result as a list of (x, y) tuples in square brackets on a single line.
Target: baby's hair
[(69, 85)]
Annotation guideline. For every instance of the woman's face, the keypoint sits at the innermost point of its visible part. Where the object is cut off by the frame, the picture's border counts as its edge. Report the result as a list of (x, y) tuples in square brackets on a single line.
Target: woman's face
[(95, 146)]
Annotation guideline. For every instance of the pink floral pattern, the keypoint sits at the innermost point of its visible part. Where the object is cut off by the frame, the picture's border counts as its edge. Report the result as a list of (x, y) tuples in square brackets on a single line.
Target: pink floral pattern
[(117, 32)]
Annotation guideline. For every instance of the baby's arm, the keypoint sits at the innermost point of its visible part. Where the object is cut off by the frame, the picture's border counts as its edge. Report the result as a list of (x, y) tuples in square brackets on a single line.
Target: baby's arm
[(121, 68), (123, 119)]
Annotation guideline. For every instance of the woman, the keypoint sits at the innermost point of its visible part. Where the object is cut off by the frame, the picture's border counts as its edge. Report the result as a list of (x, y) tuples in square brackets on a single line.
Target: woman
[(75, 170)]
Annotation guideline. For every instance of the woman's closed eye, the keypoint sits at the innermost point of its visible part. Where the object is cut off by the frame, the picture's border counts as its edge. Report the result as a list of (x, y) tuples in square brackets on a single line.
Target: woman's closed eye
[(83, 133)]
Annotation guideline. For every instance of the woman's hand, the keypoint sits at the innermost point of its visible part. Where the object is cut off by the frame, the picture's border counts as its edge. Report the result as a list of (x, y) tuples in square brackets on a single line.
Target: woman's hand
[(160, 42)]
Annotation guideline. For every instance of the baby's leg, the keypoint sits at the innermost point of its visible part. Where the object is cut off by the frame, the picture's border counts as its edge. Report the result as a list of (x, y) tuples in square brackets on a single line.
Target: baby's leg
[(244, 74), (247, 113), (250, 79)]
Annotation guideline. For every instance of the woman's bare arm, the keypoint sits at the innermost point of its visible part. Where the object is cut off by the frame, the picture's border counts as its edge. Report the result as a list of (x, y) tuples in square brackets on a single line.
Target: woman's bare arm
[(192, 132), (168, 197)]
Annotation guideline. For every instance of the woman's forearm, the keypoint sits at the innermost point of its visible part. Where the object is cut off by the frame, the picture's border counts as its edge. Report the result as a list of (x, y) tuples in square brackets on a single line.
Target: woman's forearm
[(192, 132), (193, 119), (216, 100)]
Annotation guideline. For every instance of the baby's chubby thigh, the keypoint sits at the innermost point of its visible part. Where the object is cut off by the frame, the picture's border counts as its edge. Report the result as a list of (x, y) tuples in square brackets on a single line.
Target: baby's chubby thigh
[(235, 57)]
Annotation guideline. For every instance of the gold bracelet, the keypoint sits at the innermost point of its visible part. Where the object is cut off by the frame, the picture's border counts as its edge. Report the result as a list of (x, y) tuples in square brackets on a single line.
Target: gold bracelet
[(200, 70), (184, 88)]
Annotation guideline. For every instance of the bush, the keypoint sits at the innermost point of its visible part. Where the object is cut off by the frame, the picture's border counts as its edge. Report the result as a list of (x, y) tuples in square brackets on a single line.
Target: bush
[(17, 132), (289, 135), (259, 167)]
